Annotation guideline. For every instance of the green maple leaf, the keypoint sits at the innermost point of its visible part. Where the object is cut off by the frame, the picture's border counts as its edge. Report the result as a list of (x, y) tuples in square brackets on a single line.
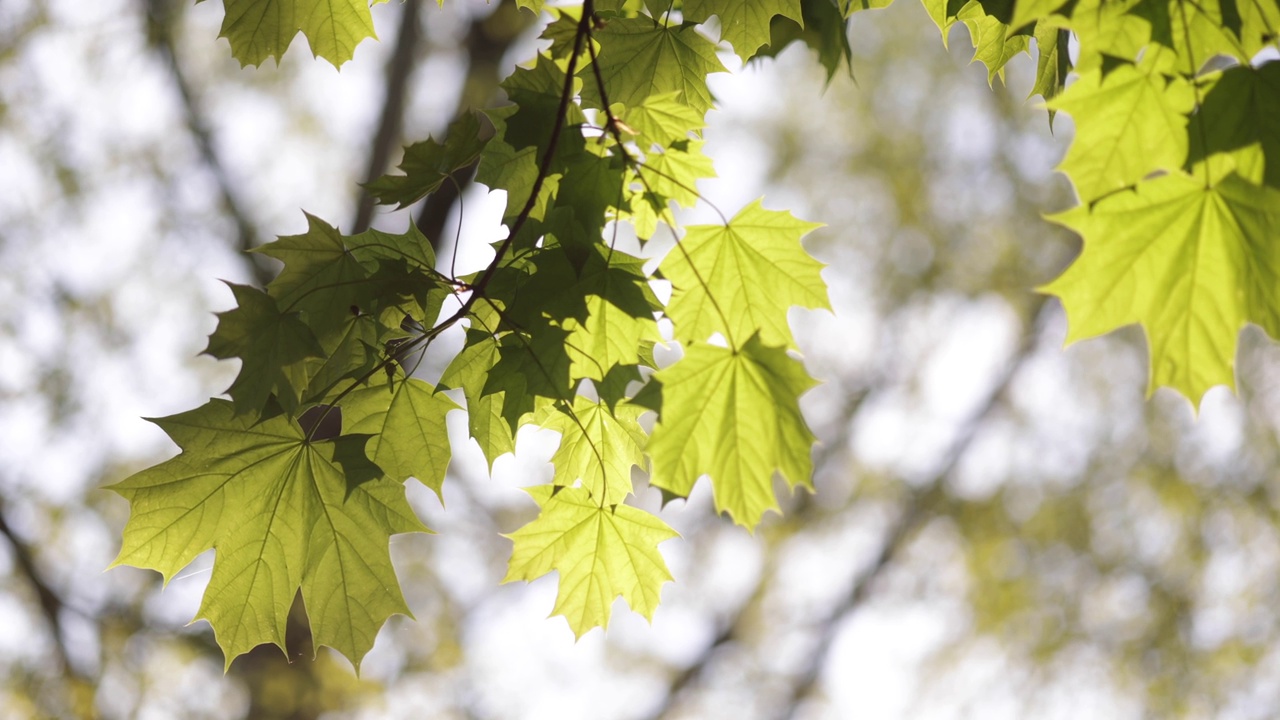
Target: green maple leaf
[(994, 42), (1240, 116), (470, 371), (733, 415), (1106, 29), (741, 278), (610, 336), (674, 172), (426, 165), (282, 513), (1196, 30), (744, 24), (639, 58), (597, 446), (661, 119), (406, 419), (600, 553), (259, 29), (1128, 125), (823, 28), (530, 364), (1191, 264), (1018, 14), (1053, 62), (279, 354), (328, 275), (616, 318)]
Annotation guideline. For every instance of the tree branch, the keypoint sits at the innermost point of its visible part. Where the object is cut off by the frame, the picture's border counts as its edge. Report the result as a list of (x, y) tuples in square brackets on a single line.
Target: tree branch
[(159, 31), (488, 40), (916, 511), (400, 68)]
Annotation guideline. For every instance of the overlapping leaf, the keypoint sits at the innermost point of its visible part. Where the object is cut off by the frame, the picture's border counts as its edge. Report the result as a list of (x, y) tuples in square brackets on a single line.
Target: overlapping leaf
[(598, 446), (1240, 116), (744, 24), (741, 278), (639, 58), (1128, 124), (426, 165), (283, 513), (405, 419), (278, 352)]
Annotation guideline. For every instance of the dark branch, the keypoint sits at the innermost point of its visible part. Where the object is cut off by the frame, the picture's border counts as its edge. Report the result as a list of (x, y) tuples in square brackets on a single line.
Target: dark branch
[(488, 40), (400, 68)]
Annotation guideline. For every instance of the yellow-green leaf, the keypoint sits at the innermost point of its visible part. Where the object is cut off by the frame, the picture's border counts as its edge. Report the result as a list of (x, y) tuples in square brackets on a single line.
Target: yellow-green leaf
[(261, 29), (741, 278), (733, 415), (1128, 125), (281, 512), (597, 446), (407, 421), (600, 552), (1191, 263), (744, 24)]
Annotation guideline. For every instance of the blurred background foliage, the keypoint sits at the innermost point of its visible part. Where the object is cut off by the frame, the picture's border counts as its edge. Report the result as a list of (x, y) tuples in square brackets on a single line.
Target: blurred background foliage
[(1002, 528)]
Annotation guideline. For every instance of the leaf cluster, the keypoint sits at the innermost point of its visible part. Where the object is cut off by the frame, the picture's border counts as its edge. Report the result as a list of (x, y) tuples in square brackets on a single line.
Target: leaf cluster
[(297, 480)]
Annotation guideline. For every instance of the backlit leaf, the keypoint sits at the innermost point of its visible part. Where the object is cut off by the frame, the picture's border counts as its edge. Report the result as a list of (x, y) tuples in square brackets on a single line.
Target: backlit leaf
[(1191, 263), (600, 552), (741, 278), (281, 513), (733, 415)]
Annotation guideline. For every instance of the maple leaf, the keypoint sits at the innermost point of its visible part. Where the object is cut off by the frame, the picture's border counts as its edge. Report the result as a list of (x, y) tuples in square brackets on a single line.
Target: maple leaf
[(406, 419), (1196, 30), (469, 371), (616, 316), (259, 29), (1128, 124), (661, 119), (742, 277), (674, 172), (733, 415), (1191, 263), (278, 352), (744, 24), (1053, 62), (1017, 14), (1107, 31), (427, 164), (281, 513), (597, 446), (994, 43), (600, 553), (639, 58)]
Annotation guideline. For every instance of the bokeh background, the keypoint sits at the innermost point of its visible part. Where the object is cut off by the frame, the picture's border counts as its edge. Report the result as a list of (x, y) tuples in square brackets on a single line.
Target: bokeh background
[(1002, 528)]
